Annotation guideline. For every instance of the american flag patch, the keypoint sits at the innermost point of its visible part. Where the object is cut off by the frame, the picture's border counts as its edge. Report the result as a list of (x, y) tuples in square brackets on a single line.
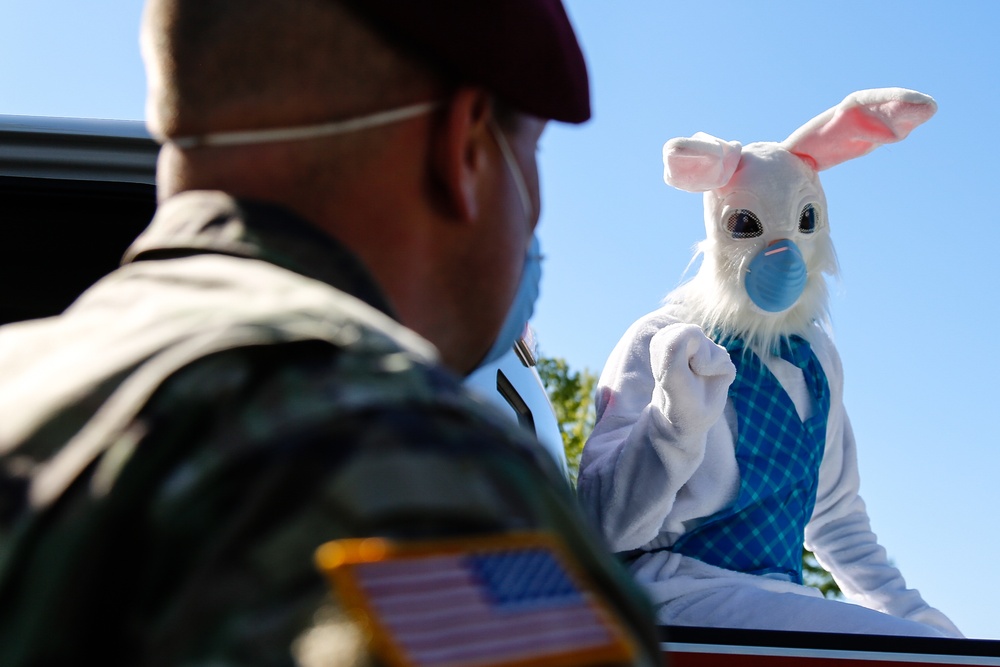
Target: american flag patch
[(504, 600)]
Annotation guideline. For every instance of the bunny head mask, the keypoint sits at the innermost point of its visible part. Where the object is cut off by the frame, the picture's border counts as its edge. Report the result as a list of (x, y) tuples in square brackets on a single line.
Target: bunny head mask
[(768, 246)]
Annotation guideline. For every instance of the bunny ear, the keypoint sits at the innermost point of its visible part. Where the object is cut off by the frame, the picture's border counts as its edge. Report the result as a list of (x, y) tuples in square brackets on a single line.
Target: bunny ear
[(861, 123), (699, 163)]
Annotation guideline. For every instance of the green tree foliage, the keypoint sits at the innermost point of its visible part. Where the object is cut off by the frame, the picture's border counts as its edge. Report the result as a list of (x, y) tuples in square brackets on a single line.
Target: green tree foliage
[(814, 575), (572, 397)]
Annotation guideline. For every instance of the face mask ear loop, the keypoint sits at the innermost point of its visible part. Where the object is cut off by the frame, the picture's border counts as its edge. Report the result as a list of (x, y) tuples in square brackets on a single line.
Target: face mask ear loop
[(250, 137), (513, 168)]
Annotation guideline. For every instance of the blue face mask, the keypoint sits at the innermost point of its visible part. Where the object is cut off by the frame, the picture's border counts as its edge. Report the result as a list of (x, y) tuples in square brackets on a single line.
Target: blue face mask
[(523, 307), (776, 277)]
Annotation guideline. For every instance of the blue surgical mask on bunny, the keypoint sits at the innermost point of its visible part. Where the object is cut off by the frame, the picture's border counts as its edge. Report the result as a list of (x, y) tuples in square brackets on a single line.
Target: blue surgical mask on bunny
[(523, 307), (776, 277)]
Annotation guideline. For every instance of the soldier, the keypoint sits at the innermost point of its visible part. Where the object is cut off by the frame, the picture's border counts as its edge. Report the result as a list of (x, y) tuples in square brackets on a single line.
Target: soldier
[(348, 196)]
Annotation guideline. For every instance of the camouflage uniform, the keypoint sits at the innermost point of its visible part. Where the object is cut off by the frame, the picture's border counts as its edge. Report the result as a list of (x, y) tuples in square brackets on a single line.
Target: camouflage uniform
[(179, 442)]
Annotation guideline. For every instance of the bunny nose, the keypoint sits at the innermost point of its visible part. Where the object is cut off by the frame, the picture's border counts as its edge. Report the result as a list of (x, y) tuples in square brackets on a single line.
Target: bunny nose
[(783, 248)]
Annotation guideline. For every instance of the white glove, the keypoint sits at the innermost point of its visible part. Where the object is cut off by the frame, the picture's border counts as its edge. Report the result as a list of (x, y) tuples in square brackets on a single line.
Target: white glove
[(692, 375)]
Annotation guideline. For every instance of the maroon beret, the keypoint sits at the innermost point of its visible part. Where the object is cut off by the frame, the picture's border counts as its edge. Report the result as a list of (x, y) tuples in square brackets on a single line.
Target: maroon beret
[(524, 51)]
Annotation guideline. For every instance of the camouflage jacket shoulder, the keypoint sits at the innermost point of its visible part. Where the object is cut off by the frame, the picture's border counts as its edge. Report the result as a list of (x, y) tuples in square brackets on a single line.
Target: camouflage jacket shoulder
[(179, 443)]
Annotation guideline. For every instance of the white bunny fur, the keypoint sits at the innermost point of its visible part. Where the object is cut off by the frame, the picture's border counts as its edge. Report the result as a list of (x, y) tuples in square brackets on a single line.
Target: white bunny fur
[(775, 181), (775, 185), (650, 472)]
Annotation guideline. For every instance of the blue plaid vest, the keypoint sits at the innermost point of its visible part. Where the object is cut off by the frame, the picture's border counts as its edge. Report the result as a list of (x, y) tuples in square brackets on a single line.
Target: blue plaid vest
[(779, 456)]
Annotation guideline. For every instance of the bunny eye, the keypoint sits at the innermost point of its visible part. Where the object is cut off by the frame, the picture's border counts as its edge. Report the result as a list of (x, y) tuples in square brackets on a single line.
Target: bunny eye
[(743, 224), (807, 219)]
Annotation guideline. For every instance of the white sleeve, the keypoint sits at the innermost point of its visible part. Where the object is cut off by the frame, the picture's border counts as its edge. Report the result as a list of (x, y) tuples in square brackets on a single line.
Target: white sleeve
[(646, 445), (840, 533)]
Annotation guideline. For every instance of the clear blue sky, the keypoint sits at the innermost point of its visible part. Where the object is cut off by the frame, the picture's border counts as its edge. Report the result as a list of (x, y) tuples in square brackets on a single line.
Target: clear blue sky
[(914, 312)]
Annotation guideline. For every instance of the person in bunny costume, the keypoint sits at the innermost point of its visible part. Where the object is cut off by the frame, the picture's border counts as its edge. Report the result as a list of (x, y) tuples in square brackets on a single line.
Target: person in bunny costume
[(722, 444)]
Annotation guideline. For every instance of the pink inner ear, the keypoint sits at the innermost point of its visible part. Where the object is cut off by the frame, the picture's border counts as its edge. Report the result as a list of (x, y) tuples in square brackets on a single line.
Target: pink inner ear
[(692, 171), (810, 162), (699, 163), (849, 134), (862, 122)]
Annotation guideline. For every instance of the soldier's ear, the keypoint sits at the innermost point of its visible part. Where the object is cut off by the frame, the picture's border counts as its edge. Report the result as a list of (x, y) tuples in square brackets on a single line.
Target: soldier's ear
[(459, 155)]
